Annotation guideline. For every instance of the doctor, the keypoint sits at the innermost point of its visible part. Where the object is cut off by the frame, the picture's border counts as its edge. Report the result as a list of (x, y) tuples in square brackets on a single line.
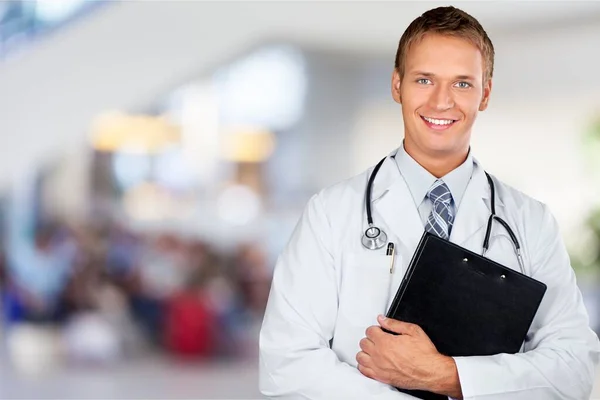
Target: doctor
[(321, 336)]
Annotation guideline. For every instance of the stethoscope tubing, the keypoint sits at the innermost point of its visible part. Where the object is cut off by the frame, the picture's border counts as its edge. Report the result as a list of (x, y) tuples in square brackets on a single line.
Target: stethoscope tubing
[(373, 242)]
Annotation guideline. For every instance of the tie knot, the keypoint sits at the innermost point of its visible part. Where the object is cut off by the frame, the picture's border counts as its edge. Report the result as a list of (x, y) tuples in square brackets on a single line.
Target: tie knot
[(439, 192)]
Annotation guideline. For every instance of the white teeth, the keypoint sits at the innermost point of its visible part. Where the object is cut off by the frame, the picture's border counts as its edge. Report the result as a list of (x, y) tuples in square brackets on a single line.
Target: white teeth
[(438, 121)]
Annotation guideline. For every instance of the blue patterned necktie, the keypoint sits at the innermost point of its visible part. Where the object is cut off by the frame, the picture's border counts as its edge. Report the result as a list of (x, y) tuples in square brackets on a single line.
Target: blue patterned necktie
[(442, 216)]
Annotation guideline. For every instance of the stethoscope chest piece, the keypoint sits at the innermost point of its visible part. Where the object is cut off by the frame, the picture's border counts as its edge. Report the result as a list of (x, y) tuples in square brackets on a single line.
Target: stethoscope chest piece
[(374, 238)]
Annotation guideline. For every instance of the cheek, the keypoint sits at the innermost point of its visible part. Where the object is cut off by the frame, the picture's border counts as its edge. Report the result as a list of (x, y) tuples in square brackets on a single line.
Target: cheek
[(469, 111), (411, 98), (410, 106), (407, 110), (468, 104)]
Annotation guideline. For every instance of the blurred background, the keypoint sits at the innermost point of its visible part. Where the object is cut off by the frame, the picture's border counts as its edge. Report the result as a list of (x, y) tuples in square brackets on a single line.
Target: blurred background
[(155, 157)]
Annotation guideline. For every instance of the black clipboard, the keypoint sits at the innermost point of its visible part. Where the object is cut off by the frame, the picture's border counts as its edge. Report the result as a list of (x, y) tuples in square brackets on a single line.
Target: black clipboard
[(467, 304)]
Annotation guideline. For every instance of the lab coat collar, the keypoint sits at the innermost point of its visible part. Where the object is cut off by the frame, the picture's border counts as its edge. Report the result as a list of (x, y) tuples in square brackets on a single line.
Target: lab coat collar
[(474, 211), (393, 206), (391, 195), (387, 175)]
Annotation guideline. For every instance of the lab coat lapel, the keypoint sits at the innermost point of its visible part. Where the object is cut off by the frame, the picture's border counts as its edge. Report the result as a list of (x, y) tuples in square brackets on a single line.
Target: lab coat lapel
[(394, 208), (473, 212)]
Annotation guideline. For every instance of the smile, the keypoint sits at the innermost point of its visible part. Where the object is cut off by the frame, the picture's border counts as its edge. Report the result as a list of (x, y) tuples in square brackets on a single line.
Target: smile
[(438, 124)]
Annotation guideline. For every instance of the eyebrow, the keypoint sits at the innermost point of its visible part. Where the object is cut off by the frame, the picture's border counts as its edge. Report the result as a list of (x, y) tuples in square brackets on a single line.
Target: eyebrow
[(431, 75)]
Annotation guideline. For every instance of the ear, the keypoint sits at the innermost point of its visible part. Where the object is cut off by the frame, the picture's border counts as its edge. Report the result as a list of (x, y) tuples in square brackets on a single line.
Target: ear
[(487, 90), (396, 87)]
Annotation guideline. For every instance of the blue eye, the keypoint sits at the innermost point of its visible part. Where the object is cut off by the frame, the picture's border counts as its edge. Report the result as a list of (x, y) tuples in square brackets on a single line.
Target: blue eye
[(423, 81), (463, 85)]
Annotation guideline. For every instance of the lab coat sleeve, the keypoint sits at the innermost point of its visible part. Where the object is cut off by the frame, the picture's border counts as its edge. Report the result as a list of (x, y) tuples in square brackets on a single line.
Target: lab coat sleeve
[(561, 352), (295, 359)]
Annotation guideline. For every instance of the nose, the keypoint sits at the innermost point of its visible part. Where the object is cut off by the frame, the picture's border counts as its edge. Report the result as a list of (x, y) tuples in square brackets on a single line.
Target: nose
[(441, 98)]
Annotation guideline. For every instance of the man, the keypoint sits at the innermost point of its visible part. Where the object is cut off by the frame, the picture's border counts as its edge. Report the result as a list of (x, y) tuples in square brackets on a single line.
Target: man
[(322, 337)]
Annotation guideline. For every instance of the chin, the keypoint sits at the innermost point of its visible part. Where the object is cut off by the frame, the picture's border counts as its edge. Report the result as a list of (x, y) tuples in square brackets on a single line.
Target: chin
[(441, 145)]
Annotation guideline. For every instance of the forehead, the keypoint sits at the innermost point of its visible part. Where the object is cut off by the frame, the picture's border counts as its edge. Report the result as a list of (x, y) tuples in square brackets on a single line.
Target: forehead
[(444, 55)]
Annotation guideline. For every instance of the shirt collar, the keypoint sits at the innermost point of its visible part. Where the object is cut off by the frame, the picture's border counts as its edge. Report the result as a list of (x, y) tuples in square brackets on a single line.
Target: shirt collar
[(419, 180)]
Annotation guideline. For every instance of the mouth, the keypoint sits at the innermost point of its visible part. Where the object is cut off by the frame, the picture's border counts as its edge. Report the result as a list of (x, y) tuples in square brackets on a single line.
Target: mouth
[(438, 124)]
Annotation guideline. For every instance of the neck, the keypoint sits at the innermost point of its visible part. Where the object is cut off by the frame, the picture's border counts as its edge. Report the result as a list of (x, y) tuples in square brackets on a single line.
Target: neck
[(437, 165)]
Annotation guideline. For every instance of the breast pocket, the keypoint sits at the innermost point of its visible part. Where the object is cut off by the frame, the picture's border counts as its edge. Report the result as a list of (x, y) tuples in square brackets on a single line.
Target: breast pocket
[(365, 287)]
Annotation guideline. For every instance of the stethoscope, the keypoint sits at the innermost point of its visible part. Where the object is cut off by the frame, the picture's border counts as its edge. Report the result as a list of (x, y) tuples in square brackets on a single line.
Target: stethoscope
[(375, 238)]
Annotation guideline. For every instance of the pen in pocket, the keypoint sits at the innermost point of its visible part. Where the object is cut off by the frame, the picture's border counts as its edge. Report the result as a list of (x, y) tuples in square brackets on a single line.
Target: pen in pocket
[(391, 251)]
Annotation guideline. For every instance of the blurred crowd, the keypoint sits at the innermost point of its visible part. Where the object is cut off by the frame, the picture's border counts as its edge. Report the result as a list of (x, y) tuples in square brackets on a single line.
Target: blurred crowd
[(108, 292)]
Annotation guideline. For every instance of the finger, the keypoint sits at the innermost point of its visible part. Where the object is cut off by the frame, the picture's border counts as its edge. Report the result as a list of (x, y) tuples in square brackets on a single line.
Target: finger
[(373, 332), (366, 345), (363, 359), (366, 371), (401, 327)]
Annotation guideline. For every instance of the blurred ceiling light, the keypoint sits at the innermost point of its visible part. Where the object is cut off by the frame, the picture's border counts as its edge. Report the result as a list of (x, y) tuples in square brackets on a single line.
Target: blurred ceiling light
[(267, 88), (57, 10), (116, 131), (246, 144), (238, 205)]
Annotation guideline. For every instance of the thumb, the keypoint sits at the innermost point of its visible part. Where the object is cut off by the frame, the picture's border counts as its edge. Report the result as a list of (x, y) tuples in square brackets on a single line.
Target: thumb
[(399, 327)]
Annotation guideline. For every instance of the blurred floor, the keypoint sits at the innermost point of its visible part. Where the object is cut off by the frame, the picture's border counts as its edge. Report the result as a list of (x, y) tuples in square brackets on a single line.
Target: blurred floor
[(154, 378)]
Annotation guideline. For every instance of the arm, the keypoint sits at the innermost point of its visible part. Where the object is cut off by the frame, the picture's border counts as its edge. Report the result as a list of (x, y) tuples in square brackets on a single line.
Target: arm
[(561, 351), (295, 359)]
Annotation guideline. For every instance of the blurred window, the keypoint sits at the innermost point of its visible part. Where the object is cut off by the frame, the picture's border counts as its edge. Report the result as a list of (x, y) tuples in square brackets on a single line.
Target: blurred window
[(266, 88), (23, 21)]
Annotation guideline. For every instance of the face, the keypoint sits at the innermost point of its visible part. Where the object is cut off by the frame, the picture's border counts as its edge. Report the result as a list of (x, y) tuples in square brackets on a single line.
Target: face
[(441, 92)]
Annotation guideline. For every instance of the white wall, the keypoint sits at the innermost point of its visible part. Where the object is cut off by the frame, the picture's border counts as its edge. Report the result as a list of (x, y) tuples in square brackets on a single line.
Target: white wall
[(127, 54)]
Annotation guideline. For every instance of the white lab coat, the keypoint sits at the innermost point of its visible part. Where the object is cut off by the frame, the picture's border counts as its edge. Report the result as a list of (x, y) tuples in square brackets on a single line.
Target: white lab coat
[(327, 289)]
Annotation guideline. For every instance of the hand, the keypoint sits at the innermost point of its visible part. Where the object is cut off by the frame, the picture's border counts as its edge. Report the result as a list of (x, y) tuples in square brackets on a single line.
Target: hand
[(408, 360)]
